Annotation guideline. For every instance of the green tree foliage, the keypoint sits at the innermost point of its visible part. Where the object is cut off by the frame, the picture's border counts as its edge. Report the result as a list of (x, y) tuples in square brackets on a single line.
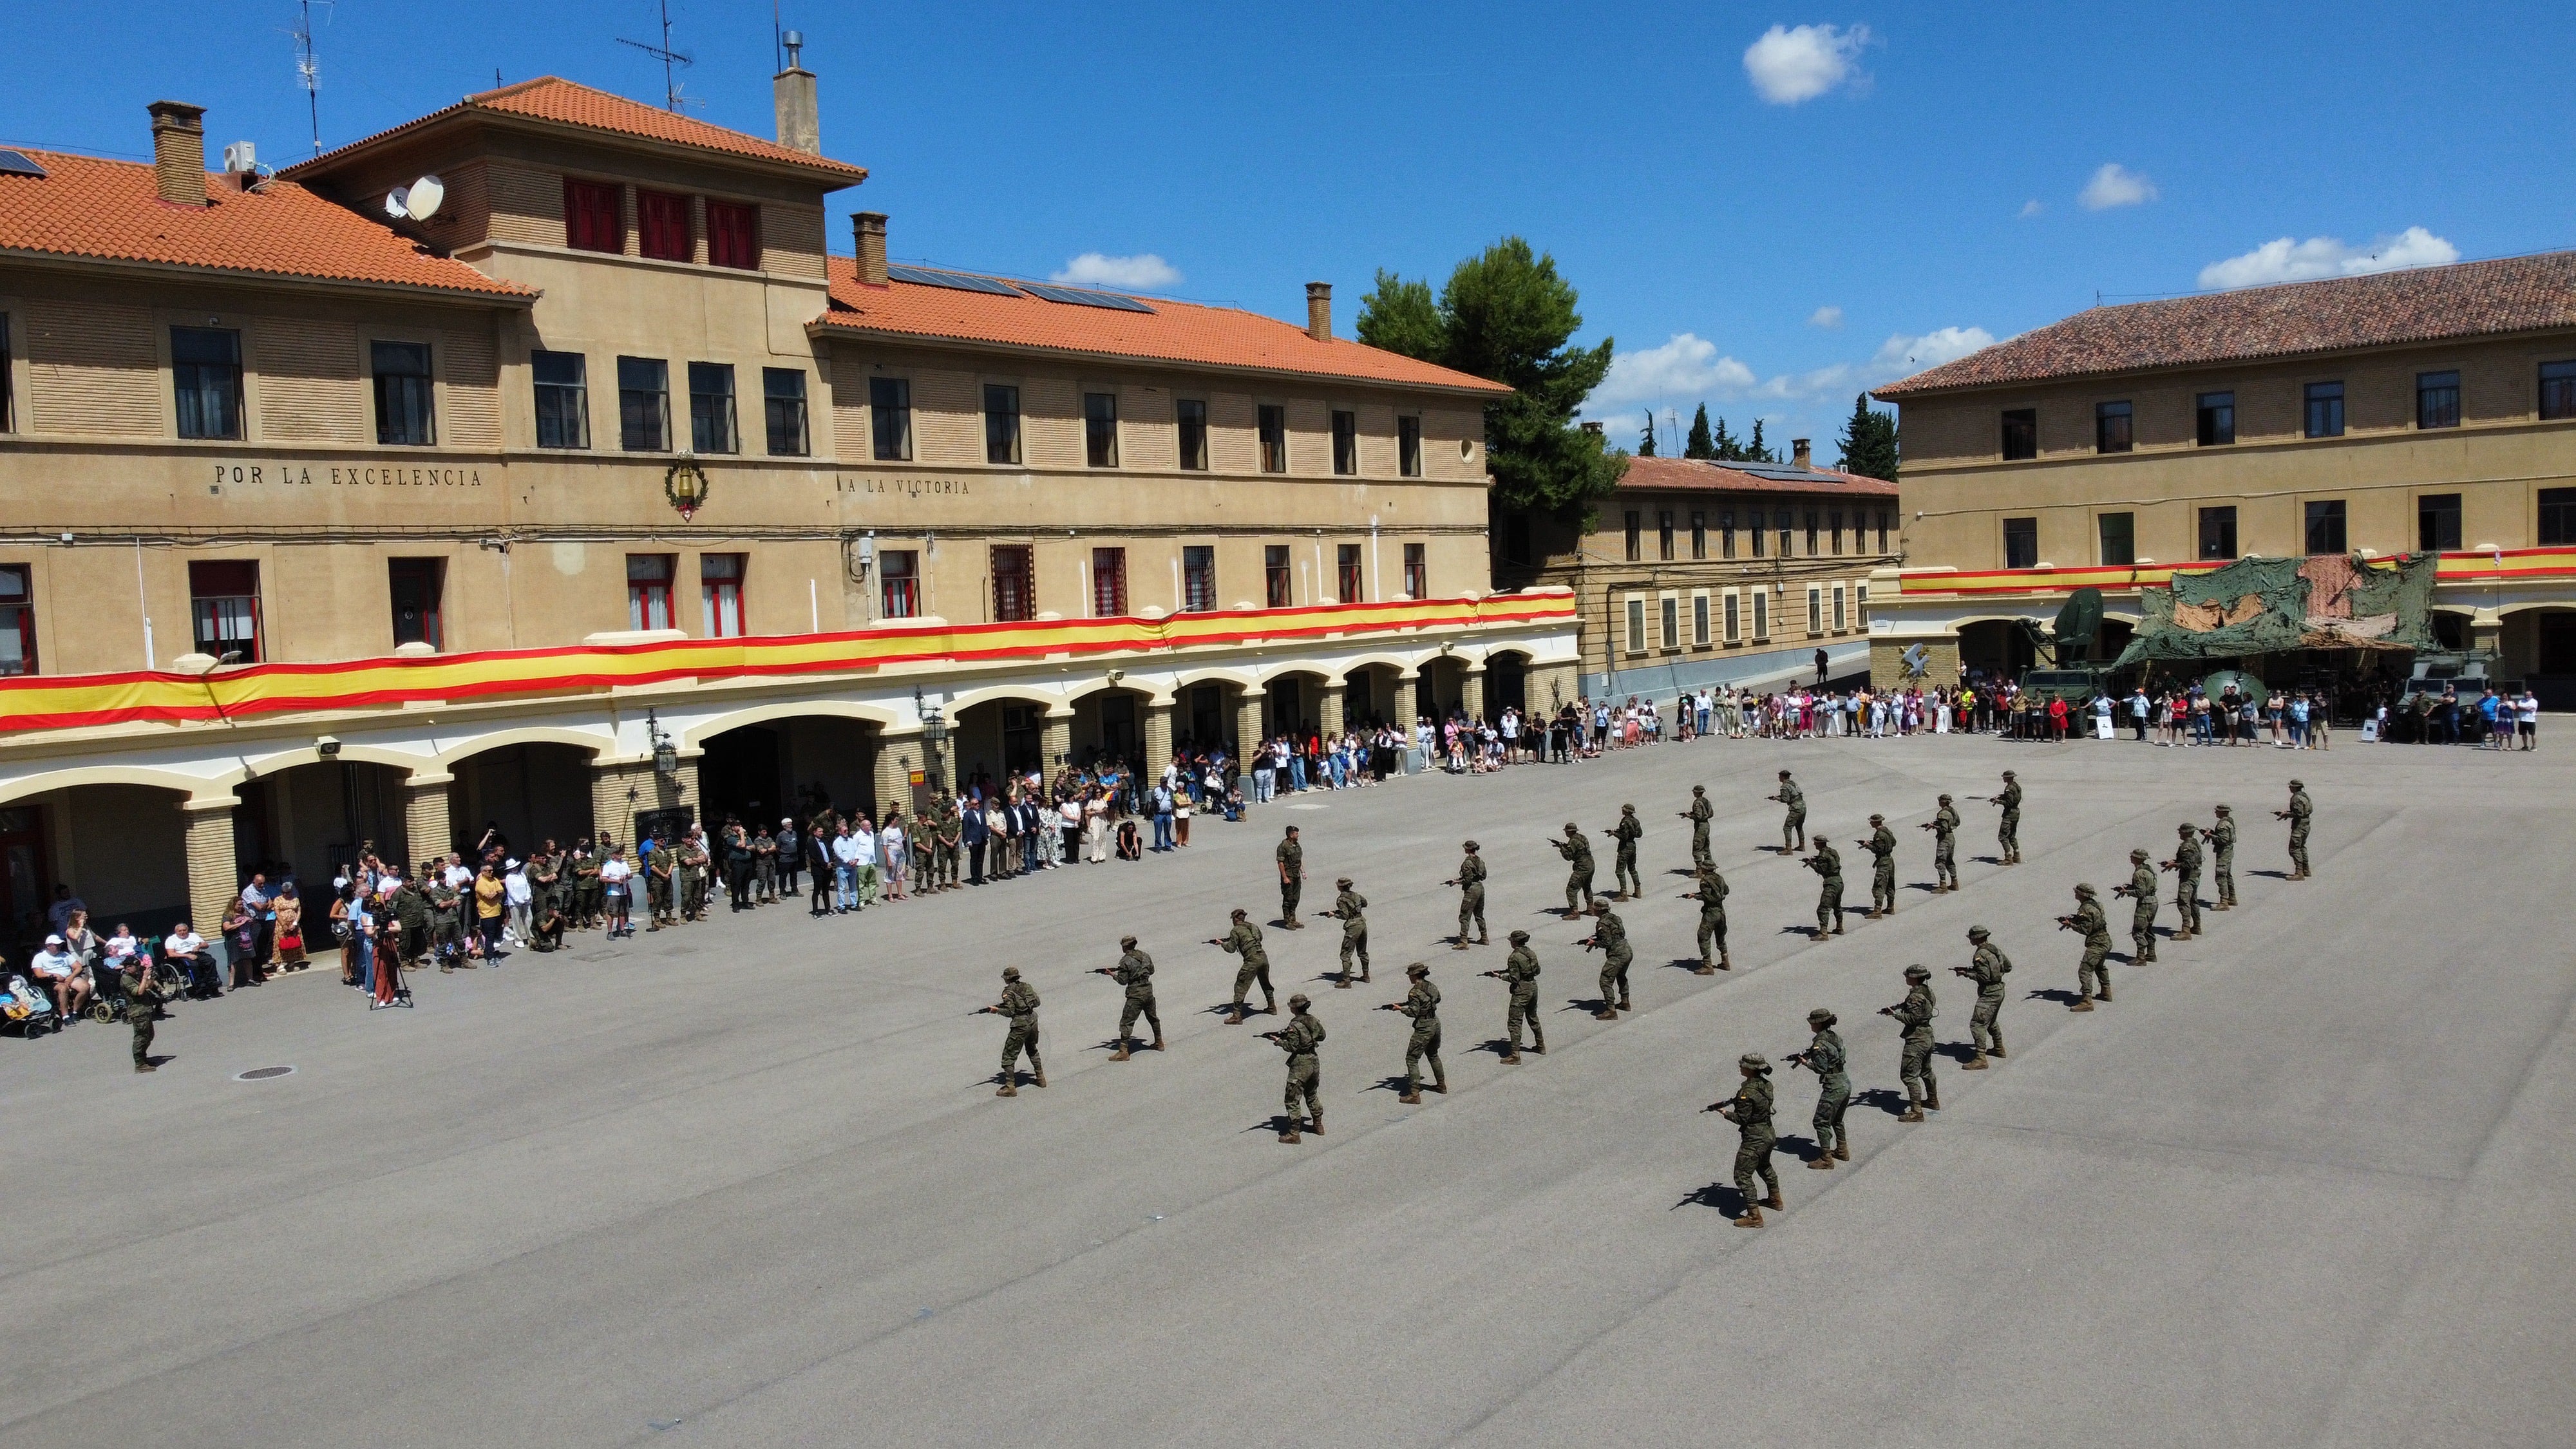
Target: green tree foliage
[(1646, 444), (1869, 442), (1506, 315), (1754, 451), (1724, 447), (1700, 445)]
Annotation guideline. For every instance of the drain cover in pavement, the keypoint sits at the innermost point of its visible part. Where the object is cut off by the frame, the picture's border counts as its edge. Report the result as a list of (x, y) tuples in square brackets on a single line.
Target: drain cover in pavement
[(262, 1074)]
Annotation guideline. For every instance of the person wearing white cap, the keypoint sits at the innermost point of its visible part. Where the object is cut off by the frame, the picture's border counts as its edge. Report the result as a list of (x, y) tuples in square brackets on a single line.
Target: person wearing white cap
[(514, 880), (63, 975)]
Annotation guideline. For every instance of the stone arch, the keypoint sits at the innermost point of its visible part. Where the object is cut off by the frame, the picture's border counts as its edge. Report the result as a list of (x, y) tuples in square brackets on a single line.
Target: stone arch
[(261, 766), (696, 736), (595, 741), (73, 777), (118, 837)]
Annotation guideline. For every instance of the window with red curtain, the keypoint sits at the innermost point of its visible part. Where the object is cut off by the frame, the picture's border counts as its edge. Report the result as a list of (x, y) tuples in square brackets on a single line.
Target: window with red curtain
[(664, 222), (733, 235), (591, 220)]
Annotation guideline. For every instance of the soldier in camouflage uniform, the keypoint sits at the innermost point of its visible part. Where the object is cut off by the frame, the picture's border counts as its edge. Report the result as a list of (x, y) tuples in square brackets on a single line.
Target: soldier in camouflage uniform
[(446, 916), (1020, 1003), (1245, 941), (2222, 849), (2093, 976), (1422, 1003), (1351, 907), (1611, 935), (1914, 1058), (1988, 969), (1698, 815), (2008, 828), (1292, 880), (1299, 1039), (1470, 881), (1711, 895), (1576, 847), (1750, 1110), (142, 1007), (1944, 826), (1825, 1057), (2299, 814), (2142, 922), (1520, 974), (543, 871), (1623, 871), (1882, 871), (2186, 868), (1793, 823), (661, 880), (589, 898), (1827, 863), (694, 864), (1135, 971), (948, 833)]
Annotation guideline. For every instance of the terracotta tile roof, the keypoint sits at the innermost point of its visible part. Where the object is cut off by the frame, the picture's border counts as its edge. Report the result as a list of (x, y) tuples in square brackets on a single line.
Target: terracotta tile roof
[(1695, 475), (552, 98), (1184, 332), (2425, 304), (109, 210)]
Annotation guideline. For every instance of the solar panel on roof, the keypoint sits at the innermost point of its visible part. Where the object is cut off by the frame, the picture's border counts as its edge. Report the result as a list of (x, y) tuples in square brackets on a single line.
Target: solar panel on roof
[(1783, 472), (954, 281), (1080, 298), (16, 163)]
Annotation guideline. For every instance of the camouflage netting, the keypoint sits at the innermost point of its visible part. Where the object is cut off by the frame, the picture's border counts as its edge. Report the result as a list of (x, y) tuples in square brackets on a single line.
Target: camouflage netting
[(2269, 605)]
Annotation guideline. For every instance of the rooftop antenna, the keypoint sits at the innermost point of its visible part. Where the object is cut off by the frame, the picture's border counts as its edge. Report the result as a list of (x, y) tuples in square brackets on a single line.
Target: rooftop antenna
[(665, 54), (308, 66)]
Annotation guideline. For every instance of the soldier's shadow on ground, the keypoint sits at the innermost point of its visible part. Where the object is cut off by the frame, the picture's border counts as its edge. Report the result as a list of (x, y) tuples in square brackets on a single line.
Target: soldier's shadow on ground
[(1397, 1085), (1499, 1046), (1885, 1099), (1927, 887), (1682, 963), (1957, 1051), (1686, 872), (1987, 859), (2270, 874), (1588, 1005), (2051, 993), (1719, 1195)]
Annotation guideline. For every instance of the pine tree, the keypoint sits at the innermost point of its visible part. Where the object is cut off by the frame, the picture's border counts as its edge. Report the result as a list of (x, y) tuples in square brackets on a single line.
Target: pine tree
[(1699, 445), (1646, 444), (1869, 442), (1726, 449), (1754, 452)]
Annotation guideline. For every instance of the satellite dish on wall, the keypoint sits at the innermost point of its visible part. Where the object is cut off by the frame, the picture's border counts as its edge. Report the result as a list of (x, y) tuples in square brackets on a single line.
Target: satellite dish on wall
[(425, 196), (397, 202)]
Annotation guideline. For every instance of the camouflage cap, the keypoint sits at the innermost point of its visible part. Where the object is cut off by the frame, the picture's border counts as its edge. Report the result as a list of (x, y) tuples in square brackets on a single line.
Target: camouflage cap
[(1417, 969), (1238, 913), (1627, 809), (1821, 1017), (1699, 789), (1127, 941), (2137, 855), (1784, 774), (1601, 906), (2223, 810), (1878, 820), (1343, 881), (1753, 1062), (1471, 845), (1299, 1002), (1518, 938), (2086, 889), (2008, 774), (2298, 784), (1572, 829), (2187, 828), (1918, 973), (1010, 973), (1978, 933), (1945, 799), (1291, 830)]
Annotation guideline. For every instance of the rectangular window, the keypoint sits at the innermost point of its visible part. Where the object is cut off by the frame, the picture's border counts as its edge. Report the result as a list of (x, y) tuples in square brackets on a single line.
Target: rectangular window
[(1699, 534), (890, 419), (2325, 410), (1276, 585), (2217, 419), (1753, 525), (2119, 532), (563, 399), (1346, 573), (899, 583), (2437, 399), (1761, 614), (1882, 530), (2112, 428), (1100, 429), (8, 417), (1001, 423), (1635, 534), (1346, 442), (1198, 578), (711, 411), (2557, 517), (1815, 610), (2021, 434), (1672, 622), (782, 399), (592, 217), (720, 592), (1841, 621), (1734, 620), (1192, 414), (1664, 534), (2021, 543), (1108, 583), (1834, 529), (1699, 621), (1408, 446), (662, 225), (1015, 595), (1726, 533), (1636, 625), (733, 236), (17, 621), (1274, 438), (2557, 390), (404, 408), (648, 591), (1811, 536), (223, 602), (2218, 533), (1417, 572), (643, 404), (418, 587), (205, 373), (2325, 525), (2437, 522)]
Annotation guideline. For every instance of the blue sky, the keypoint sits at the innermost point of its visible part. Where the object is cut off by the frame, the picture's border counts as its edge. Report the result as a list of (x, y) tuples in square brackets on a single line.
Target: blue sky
[(1768, 207)]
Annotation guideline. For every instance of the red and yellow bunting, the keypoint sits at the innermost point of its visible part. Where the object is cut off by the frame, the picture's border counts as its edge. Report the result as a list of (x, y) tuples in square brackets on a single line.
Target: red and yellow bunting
[(72, 701)]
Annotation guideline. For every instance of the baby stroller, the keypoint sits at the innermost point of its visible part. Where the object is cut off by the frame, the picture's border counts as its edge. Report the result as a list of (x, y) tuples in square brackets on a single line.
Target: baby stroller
[(27, 1011)]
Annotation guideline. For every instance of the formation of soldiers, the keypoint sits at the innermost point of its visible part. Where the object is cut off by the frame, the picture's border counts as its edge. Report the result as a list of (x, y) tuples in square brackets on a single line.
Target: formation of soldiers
[(1752, 1106)]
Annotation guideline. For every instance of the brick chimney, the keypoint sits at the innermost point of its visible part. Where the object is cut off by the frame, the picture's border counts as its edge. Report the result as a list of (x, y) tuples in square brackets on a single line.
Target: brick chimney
[(870, 229), (179, 152), (1799, 453), (800, 117), (1319, 311)]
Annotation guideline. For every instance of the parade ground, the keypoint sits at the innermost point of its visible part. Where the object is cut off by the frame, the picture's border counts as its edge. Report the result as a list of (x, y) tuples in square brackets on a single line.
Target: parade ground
[(2310, 1180)]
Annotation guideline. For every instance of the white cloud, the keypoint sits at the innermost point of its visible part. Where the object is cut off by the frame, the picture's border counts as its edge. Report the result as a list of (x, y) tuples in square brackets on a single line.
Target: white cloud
[(2283, 260), (2032, 208), (2116, 185), (1788, 65), (1826, 317), (1686, 366), (1144, 273), (1901, 354)]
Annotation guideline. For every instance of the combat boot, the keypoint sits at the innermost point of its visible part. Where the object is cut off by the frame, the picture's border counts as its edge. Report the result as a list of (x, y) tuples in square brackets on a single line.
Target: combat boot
[(1704, 969), (1913, 1112), (1317, 1127), (1539, 1045), (1978, 1065), (2104, 994), (1606, 1013), (1871, 915), (1158, 1041), (1119, 1055), (1237, 1019), (1042, 1080), (1411, 1099), (1931, 1096), (147, 1066), (1343, 981), (1822, 1162), (1459, 945), (1997, 1050), (1510, 1059), (1481, 939), (1752, 1217), (1773, 1202), (1007, 1091), (2081, 1003), (1440, 1084), (1291, 1134), (1838, 924), (1725, 962), (1842, 1148)]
